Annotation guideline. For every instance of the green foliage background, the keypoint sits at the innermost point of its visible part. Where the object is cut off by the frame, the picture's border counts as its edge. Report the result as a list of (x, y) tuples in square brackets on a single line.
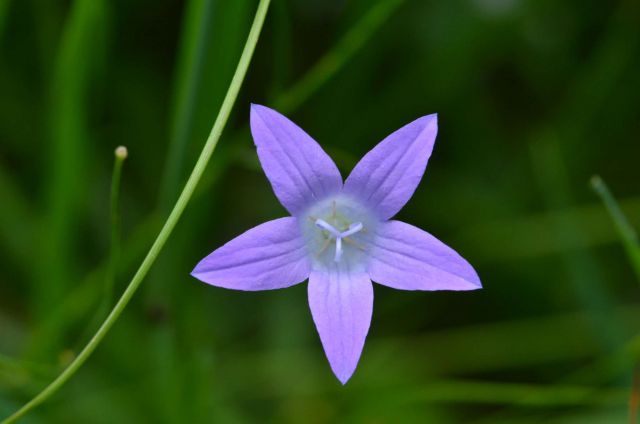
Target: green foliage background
[(533, 96)]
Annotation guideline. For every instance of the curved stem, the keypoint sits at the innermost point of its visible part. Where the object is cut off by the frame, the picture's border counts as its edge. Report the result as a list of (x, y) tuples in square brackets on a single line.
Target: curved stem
[(170, 223)]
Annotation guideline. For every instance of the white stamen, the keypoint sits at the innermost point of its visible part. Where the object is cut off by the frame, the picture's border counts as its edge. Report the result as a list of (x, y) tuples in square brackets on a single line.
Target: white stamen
[(353, 228), (326, 226), (338, 249)]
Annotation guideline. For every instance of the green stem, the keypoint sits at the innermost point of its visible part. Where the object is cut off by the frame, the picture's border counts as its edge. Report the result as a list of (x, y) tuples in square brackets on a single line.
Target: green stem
[(624, 228), (114, 247), (170, 223), (113, 258)]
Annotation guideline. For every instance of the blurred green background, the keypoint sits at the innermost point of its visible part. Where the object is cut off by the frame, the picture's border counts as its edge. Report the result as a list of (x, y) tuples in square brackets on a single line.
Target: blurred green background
[(533, 96)]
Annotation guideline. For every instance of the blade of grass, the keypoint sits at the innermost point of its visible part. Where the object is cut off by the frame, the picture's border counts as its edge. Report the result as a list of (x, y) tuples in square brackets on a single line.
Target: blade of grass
[(337, 57), (170, 223), (629, 239), (193, 46), (213, 32), (628, 235), (76, 60)]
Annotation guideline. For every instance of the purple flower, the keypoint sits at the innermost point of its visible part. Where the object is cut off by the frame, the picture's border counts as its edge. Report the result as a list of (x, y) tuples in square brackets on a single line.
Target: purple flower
[(339, 236)]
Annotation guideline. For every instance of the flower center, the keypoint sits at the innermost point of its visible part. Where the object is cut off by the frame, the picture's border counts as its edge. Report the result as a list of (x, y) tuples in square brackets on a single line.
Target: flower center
[(338, 231), (339, 235)]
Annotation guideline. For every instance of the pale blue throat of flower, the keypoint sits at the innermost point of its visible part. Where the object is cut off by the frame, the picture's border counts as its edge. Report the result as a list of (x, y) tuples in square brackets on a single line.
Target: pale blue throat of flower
[(337, 231)]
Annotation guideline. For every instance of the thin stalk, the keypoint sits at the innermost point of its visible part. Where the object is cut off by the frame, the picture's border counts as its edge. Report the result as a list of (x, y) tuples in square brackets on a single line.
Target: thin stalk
[(120, 154), (114, 247), (170, 223), (625, 230), (113, 257)]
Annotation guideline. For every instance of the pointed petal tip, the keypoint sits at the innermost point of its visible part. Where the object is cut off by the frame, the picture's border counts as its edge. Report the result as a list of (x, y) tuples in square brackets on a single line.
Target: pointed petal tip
[(427, 122), (475, 282), (342, 375), (197, 274), (433, 117), (474, 285), (344, 379), (256, 107), (194, 271), (469, 283)]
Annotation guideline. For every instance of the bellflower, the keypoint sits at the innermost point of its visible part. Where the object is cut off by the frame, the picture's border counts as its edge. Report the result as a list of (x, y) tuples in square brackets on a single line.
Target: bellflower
[(340, 236)]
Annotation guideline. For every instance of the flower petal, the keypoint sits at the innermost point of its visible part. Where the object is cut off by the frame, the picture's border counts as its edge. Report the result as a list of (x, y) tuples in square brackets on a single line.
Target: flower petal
[(405, 257), (272, 255), (299, 170), (341, 303), (387, 176)]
